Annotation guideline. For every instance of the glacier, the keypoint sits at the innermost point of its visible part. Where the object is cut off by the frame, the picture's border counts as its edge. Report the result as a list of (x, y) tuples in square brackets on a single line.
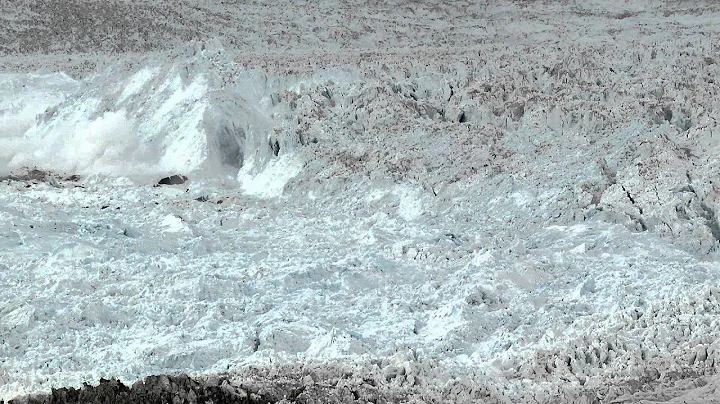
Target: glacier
[(523, 212)]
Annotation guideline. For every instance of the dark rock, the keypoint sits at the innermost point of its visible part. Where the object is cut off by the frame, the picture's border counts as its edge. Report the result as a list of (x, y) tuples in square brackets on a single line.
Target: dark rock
[(132, 233), (275, 147), (462, 118), (256, 386), (173, 180), (154, 389)]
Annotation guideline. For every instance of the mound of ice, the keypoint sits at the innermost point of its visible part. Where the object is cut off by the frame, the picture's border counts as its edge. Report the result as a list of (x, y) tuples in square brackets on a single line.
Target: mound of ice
[(185, 115)]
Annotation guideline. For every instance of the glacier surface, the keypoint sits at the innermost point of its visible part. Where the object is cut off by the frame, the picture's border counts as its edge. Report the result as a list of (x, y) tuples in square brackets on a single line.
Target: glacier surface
[(523, 212)]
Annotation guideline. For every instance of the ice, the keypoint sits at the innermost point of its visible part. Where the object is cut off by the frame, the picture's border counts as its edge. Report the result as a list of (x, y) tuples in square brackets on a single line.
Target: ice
[(270, 181), (161, 120), (173, 224), (504, 202), (24, 97), (137, 82)]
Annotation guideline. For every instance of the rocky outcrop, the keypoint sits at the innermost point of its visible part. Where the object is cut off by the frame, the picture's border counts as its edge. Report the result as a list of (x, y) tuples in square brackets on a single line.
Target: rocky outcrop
[(287, 385), (177, 179)]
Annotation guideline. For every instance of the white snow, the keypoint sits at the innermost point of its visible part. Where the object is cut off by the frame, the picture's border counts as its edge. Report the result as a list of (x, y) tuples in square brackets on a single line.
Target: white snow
[(173, 224), (270, 182), (137, 82), (24, 97)]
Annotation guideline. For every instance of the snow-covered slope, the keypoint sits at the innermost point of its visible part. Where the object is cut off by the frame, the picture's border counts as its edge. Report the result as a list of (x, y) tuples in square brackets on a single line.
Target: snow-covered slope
[(517, 206)]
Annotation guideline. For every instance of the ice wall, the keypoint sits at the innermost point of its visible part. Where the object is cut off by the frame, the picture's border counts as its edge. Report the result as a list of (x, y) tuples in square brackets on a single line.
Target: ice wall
[(22, 98), (162, 115)]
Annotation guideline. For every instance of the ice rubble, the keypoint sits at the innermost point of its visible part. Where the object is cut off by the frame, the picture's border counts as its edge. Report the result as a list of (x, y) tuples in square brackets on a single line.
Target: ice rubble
[(532, 228), (427, 233)]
